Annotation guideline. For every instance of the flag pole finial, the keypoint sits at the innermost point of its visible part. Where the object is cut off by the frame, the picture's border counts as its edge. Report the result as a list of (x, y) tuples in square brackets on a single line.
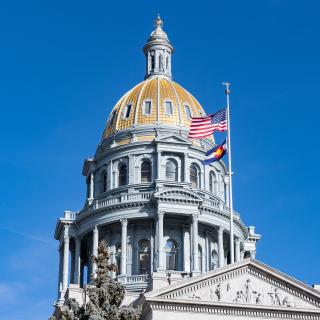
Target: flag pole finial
[(227, 85)]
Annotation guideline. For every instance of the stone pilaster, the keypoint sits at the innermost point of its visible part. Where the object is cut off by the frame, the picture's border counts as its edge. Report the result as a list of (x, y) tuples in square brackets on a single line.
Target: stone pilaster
[(237, 250)]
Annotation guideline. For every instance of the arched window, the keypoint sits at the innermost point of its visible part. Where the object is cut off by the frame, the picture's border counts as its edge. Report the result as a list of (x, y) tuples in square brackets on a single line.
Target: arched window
[(214, 260), (171, 170), (104, 181), (152, 60), (200, 258), (171, 255), (122, 174), (144, 256), (188, 111), (194, 176), (146, 171), (213, 182), (118, 258)]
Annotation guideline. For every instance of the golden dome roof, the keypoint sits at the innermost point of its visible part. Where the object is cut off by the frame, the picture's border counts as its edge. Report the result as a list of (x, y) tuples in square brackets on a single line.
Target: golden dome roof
[(130, 110)]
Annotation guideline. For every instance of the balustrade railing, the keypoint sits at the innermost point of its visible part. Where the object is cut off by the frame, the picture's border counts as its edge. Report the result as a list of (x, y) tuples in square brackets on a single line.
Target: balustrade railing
[(140, 278)]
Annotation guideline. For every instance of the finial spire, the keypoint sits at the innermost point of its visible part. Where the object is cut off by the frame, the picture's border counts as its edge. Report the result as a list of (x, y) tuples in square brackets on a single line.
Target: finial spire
[(158, 22)]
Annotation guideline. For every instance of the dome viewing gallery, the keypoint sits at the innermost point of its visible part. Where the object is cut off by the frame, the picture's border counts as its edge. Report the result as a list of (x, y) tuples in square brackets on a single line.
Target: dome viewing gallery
[(165, 215)]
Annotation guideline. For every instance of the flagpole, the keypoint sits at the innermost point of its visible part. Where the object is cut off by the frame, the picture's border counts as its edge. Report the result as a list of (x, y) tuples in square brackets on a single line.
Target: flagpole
[(227, 85)]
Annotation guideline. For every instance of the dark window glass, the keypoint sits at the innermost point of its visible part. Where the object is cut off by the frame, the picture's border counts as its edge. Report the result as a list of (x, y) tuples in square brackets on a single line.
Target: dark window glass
[(118, 258), (160, 62), (122, 174), (214, 260), (127, 111), (194, 179), (144, 257), (188, 112), (168, 106), (152, 61), (171, 255), (146, 171), (200, 258), (113, 115), (104, 181), (171, 171), (147, 107)]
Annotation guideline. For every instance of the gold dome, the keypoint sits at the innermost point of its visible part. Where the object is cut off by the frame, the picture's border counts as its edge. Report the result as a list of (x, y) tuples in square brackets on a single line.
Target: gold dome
[(157, 90)]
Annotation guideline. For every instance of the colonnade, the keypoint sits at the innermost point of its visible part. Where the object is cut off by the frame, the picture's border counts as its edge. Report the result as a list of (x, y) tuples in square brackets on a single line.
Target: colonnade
[(77, 265)]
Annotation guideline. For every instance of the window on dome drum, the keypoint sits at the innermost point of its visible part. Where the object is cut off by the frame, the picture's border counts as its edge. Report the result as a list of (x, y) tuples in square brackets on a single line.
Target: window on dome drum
[(104, 180), (171, 170), (200, 258), (168, 108), (152, 60), (126, 111), (167, 62), (188, 111), (212, 182), (118, 258), (122, 174), (144, 257), (214, 260), (171, 255), (147, 108), (194, 176), (146, 171)]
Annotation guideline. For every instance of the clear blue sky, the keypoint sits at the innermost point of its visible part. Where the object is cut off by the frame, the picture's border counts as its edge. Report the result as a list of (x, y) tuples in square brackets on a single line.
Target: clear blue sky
[(64, 64)]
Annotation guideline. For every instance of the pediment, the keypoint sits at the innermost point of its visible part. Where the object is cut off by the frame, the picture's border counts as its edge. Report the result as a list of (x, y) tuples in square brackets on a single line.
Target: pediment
[(173, 138), (178, 195), (248, 283)]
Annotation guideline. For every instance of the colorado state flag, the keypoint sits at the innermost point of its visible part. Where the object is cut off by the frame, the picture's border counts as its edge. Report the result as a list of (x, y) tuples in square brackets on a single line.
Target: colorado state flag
[(217, 152)]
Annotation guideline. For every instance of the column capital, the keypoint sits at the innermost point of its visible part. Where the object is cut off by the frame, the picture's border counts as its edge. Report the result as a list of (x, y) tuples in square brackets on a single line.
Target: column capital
[(124, 221), (95, 228), (237, 240), (220, 230), (66, 232), (160, 214), (195, 215)]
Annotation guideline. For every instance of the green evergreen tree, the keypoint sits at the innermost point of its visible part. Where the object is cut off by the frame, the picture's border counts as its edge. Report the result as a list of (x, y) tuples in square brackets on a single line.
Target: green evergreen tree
[(105, 297)]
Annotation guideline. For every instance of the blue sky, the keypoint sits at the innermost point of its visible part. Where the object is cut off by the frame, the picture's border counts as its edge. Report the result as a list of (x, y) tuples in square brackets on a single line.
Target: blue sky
[(64, 64)]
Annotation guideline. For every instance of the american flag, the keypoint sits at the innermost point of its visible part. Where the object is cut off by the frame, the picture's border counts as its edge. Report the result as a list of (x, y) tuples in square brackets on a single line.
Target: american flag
[(202, 127)]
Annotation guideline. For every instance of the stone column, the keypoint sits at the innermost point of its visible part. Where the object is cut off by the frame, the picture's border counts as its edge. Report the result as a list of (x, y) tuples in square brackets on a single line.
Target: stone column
[(220, 246), (77, 266), (65, 270), (195, 242), (159, 165), (91, 186), (161, 262), (60, 271), (237, 250), (207, 255), (186, 248), (95, 243), (123, 269)]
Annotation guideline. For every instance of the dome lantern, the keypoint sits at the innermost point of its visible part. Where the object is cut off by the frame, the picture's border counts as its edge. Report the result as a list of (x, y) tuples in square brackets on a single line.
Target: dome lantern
[(158, 51)]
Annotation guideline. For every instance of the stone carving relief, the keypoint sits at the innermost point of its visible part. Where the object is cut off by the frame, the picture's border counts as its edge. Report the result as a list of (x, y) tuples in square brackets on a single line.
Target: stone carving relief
[(247, 289)]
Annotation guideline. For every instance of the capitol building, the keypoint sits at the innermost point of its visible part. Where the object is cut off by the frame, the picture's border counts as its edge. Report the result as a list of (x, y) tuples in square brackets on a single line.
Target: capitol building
[(165, 216)]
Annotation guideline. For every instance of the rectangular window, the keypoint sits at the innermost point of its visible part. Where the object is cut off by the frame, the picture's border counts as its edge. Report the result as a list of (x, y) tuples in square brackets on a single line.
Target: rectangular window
[(168, 107), (147, 108), (127, 111), (188, 112)]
